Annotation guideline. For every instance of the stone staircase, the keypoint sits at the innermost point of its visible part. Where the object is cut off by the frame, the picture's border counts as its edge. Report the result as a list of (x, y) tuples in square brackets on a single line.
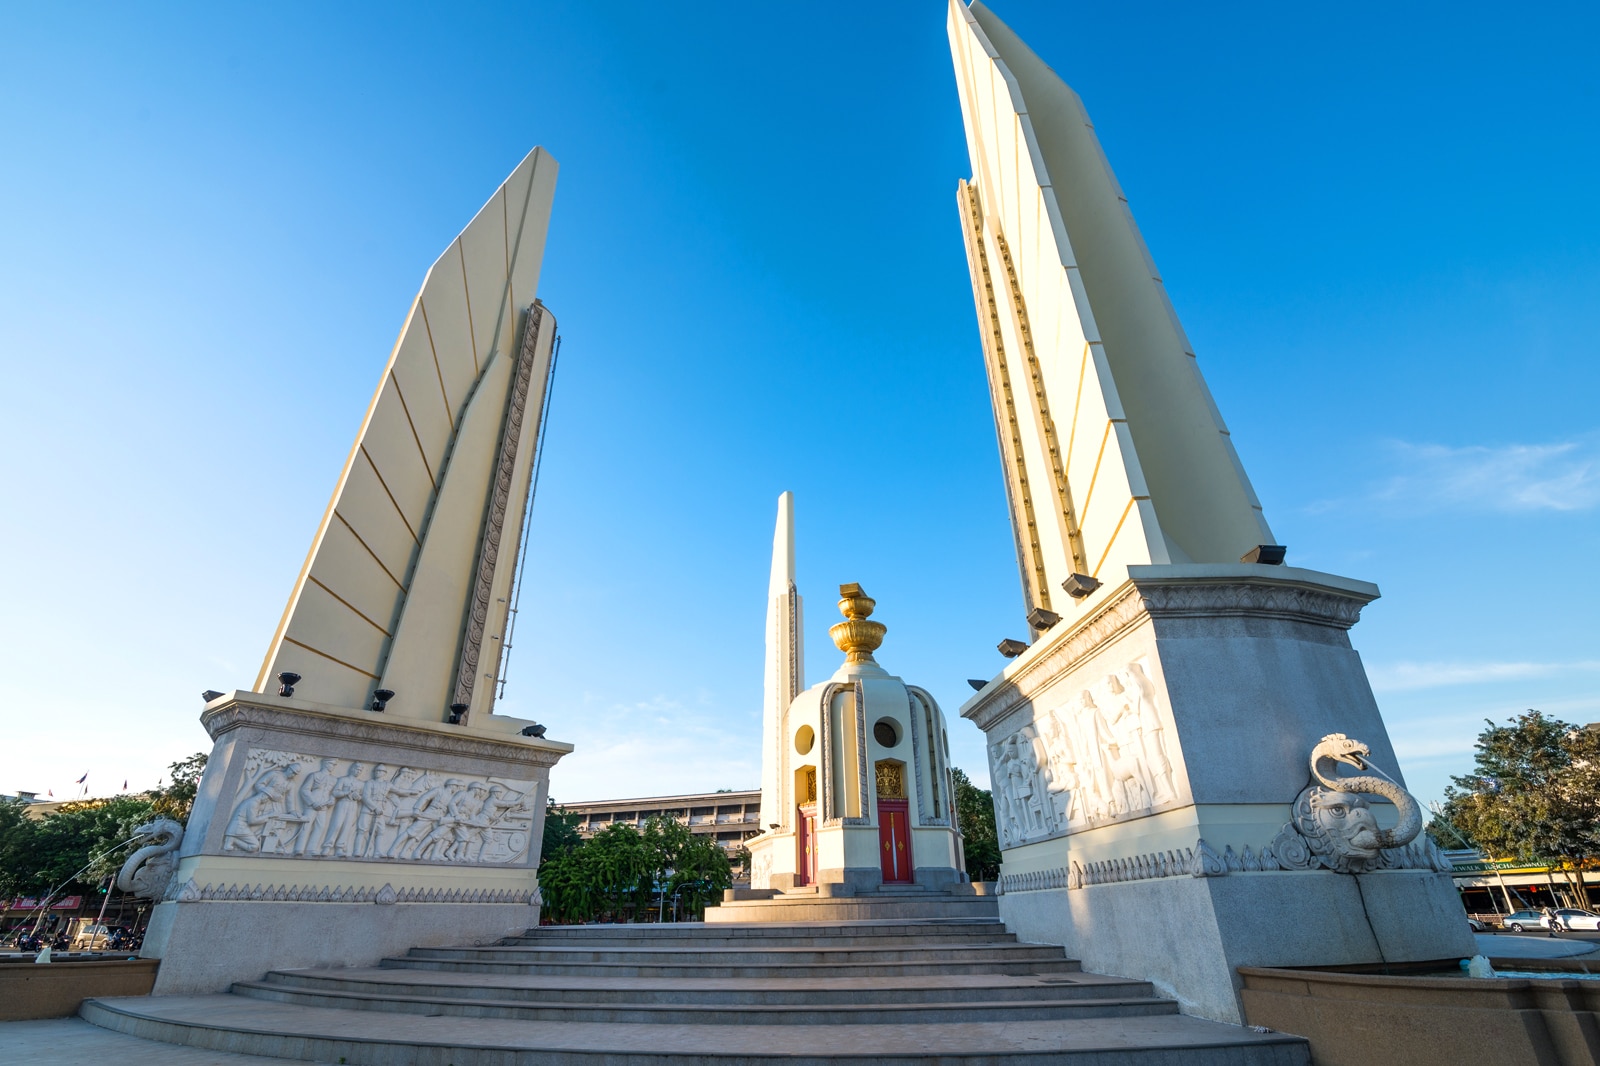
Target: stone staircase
[(954, 990)]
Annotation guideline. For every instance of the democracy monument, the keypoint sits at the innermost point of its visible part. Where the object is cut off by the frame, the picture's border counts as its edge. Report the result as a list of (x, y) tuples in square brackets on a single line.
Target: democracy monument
[(1189, 770)]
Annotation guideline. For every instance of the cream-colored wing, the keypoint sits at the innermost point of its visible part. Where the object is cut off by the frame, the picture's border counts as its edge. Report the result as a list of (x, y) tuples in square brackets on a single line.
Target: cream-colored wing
[(1115, 454), (424, 520)]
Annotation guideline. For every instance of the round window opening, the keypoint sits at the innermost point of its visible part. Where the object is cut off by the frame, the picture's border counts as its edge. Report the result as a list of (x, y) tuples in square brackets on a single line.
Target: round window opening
[(803, 739), (886, 732)]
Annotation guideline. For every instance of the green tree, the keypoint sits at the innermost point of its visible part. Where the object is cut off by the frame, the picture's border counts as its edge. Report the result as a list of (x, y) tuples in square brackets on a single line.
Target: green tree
[(17, 832), (1533, 795), (627, 874), (176, 798), (560, 832), (81, 843), (975, 817)]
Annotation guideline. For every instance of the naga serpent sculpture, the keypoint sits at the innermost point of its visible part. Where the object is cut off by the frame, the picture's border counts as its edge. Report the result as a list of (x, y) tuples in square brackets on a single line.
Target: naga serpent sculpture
[(1333, 822), (148, 870)]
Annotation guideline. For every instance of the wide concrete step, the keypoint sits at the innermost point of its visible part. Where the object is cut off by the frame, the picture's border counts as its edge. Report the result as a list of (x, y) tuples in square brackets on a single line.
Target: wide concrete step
[(791, 937), (918, 929), (749, 954), (738, 969), (965, 988), (711, 1014), (372, 1038), (787, 910)]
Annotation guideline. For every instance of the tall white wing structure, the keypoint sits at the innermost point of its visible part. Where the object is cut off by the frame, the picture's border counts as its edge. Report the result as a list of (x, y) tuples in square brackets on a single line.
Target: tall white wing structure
[(408, 583), (785, 672), (1114, 453)]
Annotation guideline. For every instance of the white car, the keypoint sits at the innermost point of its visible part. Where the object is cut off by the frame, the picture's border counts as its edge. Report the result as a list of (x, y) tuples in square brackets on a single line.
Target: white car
[(1575, 919), (1571, 918)]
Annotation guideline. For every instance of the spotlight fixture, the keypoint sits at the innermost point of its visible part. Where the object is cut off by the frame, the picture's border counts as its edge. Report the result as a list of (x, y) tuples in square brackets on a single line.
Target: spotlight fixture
[(286, 683), (1042, 618), (1080, 585), (1265, 554), (534, 730), (976, 683), (211, 694), (772, 825), (381, 698), (456, 711), (1011, 648)]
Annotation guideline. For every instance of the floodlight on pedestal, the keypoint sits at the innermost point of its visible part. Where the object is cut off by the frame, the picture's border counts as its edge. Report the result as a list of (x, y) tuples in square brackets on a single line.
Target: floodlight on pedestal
[(456, 711), (286, 683), (535, 730), (1042, 618), (1080, 585), (976, 683), (210, 694), (1265, 554), (1011, 648), (381, 698)]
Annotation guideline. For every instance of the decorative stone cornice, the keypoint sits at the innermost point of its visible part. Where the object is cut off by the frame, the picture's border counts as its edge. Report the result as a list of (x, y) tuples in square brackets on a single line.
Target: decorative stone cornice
[(189, 892), (1122, 610), (1203, 860), (1263, 599), (1158, 596), (243, 713)]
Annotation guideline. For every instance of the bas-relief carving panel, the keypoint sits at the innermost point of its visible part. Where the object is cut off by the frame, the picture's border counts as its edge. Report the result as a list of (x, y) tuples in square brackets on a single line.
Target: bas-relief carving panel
[(1091, 755), (312, 806)]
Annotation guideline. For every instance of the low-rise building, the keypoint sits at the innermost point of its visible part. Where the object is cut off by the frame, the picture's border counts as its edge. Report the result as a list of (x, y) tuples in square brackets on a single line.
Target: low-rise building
[(728, 817)]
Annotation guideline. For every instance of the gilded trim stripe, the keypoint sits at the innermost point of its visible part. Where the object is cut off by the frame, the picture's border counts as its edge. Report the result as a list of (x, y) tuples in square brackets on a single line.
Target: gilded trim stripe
[(350, 605), (330, 658), (346, 523)]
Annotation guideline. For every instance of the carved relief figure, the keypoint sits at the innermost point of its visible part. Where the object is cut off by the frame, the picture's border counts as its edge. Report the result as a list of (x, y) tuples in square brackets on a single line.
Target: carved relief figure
[(346, 811), (1154, 734), (395, 813), (316, 801), (375, 824), (262, 822), (1098, 757), (1131, 790), (427, 812)]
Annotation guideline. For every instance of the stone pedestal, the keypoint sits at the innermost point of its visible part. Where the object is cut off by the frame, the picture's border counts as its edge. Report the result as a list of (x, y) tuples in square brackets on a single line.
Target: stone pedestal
[(1146, 763), (324, 835)]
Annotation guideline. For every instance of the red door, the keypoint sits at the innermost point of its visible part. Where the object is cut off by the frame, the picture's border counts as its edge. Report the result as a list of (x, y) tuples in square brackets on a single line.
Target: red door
[(806, 866), (894, 834)]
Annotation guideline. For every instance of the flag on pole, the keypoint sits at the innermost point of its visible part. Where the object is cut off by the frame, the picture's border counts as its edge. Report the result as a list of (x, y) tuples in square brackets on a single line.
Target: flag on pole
[(50, 792), (124, 785), (84, 778)]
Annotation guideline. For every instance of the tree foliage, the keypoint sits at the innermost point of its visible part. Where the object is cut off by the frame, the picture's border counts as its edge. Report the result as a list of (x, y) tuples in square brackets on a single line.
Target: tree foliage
[(625, 874), (83, 842), (975, 815), (1534, 793), (560, 832), (176, 798)]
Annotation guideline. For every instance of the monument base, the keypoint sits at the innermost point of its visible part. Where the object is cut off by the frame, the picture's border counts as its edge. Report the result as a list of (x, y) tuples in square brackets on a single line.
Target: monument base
[(208, 946), (324, 836), (1174, 795), (1188, 935)]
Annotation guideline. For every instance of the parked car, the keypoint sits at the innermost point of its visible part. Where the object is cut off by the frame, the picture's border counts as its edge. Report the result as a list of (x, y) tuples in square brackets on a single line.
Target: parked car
[(1574, 918), (1475, 925), (1522, 920)]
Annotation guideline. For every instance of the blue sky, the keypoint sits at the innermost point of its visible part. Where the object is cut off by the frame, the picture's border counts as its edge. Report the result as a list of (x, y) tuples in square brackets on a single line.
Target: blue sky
[(1377, 225)]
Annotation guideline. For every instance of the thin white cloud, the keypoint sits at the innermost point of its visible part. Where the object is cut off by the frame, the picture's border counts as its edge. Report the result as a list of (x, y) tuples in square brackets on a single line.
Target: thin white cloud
[(1512, 477), (1410, 677), (659, 746)]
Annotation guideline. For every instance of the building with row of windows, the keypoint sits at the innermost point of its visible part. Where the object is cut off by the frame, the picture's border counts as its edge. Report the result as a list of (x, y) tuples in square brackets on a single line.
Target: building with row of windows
[(728, 817)]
